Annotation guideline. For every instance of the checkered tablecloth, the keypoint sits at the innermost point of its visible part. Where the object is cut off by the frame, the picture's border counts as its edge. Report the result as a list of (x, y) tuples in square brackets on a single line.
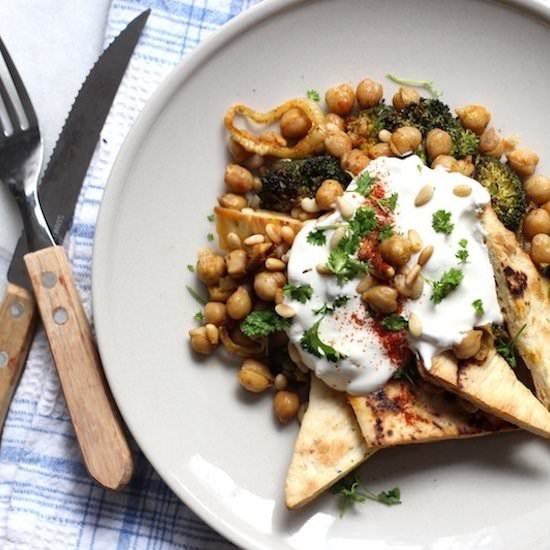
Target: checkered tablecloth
[(47, 500)]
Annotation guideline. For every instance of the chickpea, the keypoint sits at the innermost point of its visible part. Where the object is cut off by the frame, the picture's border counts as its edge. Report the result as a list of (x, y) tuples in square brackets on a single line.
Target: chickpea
[(233, 201), (465, 166), (255, 376), (396, 250), (546, 206), (239, 304), (294, 124), (266, 284), (355, 161), (369, 93), (405, 140), (327, 193), (236, 263), (537, 221), (286, 405), (538, 189), (523, 161), (380, 150), (215, 314), (540, 249), (381, 298), (334, 122), (237, 151), (238, 179), (474, 117), (200, 342), (438, 142), (337, 144), (340, 99), (447, 162), (469, 345), (405, 96), (409, 291), (490, 143), (210, 268), (218, 294)]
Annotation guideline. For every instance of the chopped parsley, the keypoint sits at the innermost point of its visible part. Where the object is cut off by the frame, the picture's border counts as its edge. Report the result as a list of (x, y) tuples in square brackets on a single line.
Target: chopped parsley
[(363, 222), (311, 342), (478, 306), (199, 317), (428, 85), (364, 183), (462, 253), (507, 347), (210, 217), (313, 95), (395, 322), (407, 372), (263, 323), (317, 237), (350, 491), (419, 168), (441, 222), (210, 237), (389, 203), (345, 267), (196, 295), (449, 281), (385, 232), (327, 309), (302, 293), (191, 268)]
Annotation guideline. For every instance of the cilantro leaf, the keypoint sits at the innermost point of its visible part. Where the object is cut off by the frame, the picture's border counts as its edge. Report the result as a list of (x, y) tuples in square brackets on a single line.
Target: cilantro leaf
[(385, 232), (363, 222), (390, 498), (389, 203), (199, 317), (263, 323), (441, 222), (210, 217), (210, 237), (364, 184), (395, 322), (340, 301), (449, 281), (196, 295), (462, 253), (317, 237), (345, 267), (407, 372), (313, 95), (311, 342), (326, 309), (191, 268), (507, 347), (302, 293), (478, 306)]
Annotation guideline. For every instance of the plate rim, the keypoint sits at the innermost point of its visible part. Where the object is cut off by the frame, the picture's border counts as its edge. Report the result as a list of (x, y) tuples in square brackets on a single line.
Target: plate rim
[(115, 186)]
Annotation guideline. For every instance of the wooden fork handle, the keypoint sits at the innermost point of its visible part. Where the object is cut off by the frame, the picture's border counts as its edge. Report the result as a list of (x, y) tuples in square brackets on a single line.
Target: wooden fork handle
[(17, 321), (96, 421)]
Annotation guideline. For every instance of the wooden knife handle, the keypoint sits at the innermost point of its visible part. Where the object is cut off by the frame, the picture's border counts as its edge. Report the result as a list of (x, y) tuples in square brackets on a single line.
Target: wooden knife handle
[(96, 421), (17, 320)]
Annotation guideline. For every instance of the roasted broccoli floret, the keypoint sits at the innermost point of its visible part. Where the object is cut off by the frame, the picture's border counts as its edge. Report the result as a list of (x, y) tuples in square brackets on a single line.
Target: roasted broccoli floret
[(287, 182), (429, 114), (364, 128), (506, 190)]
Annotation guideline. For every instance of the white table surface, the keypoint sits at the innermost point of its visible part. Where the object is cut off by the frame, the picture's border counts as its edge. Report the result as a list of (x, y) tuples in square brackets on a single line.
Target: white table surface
[(54, 43)]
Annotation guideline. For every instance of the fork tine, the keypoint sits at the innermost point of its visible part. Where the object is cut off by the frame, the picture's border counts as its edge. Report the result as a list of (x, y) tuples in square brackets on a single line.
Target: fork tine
[(21, 90)]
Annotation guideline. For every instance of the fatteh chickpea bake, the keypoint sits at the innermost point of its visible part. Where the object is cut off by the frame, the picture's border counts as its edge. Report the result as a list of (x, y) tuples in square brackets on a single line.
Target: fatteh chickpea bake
[(382, 269)]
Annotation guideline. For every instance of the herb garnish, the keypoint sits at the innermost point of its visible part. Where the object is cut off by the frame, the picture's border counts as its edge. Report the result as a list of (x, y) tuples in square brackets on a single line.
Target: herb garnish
[(263, 323), (326, 309), (441, 222), (199, 317), (428, 85), (364, 183), (389, 203), (507, 347), (313, 95), (385, 232), (351, 492), (317, 237), (302, 293), (462, 253), (210, 237), (344, 266), (311, 342), (191, 268), (478, 306), (407, 372), (449, 281), (196, 295), (395, 322), (210, 217)]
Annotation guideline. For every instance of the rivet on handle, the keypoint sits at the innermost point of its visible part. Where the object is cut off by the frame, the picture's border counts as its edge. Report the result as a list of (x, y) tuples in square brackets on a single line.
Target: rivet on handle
[(17, 309), (4, 357), (60, 316), (48, 279)]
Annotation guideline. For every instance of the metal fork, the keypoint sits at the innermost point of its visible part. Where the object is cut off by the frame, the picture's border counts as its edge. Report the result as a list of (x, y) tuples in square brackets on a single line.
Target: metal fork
[(21, 155)]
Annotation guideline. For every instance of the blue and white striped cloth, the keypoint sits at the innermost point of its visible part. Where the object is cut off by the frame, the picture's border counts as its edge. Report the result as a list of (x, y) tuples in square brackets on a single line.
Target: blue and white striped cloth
[(47, 500)]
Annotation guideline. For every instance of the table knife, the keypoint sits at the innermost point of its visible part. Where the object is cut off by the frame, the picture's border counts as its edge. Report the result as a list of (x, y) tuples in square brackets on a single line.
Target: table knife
[(59, 190)]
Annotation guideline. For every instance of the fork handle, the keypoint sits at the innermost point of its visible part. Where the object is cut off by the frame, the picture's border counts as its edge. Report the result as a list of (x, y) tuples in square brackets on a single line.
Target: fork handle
[(96, 421), (17, 321)]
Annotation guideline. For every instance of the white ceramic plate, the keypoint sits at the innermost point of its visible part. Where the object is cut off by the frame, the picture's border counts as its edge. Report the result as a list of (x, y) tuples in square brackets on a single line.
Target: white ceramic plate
[(216, 447)]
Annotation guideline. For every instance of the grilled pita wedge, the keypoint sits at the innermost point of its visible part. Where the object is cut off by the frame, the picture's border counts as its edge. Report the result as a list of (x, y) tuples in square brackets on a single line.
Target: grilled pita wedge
[(493, 386), (329, 446), (525, 301), (402, 413)]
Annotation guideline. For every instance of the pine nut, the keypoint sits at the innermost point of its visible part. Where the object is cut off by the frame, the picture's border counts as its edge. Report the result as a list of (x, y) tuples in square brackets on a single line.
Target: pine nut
[(279, 296), (212, 333), (287, 233), (462, 190), (273, 232), (309, 205), (364, 284), (294, 354), (280, 382), (411, 277), (296, 212), (425, 255), (247, 211), (337, 236), (384, 136), (285, 311), (415, 240), (322, 269), (415, 326), (254, 239), (345, 207), (424, 195), (233, 241), (274, 264)]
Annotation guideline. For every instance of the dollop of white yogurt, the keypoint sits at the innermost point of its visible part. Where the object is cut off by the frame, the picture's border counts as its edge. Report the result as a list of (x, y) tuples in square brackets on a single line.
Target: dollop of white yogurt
[(350, 330)]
